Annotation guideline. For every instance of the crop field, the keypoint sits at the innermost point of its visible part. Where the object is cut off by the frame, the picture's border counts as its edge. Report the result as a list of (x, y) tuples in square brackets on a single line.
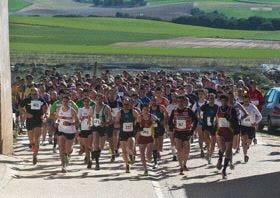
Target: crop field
[(97, 36), (15, 5), (165, 9)]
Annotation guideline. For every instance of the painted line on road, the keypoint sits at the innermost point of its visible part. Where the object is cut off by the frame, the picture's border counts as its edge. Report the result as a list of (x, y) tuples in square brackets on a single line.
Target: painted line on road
[(157, 189)]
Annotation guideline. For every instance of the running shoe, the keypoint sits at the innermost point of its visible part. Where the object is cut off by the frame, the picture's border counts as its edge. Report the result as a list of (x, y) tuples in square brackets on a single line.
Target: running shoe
[(174, 159), (35, 160), (146, 173), (255, 141), (63, 170), (246, 158), (113, 158), (155, 166), (202, 154), (127, 170), (181, 171)]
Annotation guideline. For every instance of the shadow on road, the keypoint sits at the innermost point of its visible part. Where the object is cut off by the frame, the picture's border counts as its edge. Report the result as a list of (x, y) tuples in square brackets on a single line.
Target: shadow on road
[(255, 186)]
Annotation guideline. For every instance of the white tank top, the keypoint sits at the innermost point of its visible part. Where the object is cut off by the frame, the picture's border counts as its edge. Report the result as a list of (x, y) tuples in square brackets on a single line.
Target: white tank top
[(84, 112), (63, 128)]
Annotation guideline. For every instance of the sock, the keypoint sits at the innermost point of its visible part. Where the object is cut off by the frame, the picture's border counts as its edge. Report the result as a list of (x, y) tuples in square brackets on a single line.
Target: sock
[(220, 155), (173, 150), (155, 156), (227, 160), (54, 142)]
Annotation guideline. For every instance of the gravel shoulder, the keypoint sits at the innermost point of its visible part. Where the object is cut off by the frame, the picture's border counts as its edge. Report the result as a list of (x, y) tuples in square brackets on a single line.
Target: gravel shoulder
[(186, 42)]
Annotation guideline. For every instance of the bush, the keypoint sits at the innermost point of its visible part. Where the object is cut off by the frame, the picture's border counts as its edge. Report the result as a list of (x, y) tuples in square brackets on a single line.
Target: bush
[(218, 20)]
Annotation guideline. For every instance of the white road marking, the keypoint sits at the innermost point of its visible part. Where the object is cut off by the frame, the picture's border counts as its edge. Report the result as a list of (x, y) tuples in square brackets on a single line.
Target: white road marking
[(157, 189)]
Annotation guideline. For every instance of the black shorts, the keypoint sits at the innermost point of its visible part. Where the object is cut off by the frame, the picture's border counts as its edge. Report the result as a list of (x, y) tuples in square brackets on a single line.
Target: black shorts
[(237, 131), (159, 132), (85, 133), (109, 131), (124, 136), (100, 130), (31, 124), (184, 136), (68, 136), (209, 129), (250, 131)]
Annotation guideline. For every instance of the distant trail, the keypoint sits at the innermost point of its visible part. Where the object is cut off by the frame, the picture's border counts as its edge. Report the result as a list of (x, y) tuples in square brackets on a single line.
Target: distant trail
[(69, 7), (185, 42)]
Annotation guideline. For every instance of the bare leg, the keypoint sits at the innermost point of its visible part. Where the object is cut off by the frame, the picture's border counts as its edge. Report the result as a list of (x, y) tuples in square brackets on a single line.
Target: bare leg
[(143, 155)]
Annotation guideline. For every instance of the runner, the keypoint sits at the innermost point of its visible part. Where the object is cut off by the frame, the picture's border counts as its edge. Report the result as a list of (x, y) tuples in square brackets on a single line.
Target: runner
[(125, 121), (256, 98), (33, 108), (46, 97), (101, 120), (196, 109), (115, 106), (85, 116), (161, 100), (227, 123), (160, 112), (183, 123), (209, 125), (145, 136), (170, 108), (66, 118), (248, 125), (53, 110)]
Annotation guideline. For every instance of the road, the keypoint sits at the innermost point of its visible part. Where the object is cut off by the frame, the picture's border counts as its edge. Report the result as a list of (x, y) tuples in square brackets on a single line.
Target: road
[(260, 177)]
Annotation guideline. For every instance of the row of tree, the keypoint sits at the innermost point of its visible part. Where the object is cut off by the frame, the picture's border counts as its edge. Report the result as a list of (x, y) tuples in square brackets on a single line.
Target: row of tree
[(218, 20), (115, 3)]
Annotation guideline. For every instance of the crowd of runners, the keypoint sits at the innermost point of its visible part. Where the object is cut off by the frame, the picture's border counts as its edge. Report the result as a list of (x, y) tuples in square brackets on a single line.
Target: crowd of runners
[(135, 112)]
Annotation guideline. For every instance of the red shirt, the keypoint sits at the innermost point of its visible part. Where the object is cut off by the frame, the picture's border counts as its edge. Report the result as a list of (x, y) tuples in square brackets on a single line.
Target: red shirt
[(256, 98)]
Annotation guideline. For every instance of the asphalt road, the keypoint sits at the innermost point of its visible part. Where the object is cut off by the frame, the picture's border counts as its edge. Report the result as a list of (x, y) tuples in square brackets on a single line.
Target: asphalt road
[(260, 177)]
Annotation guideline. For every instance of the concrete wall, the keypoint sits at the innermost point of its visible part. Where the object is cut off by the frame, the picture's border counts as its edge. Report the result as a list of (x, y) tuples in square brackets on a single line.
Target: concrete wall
[(6, 134)]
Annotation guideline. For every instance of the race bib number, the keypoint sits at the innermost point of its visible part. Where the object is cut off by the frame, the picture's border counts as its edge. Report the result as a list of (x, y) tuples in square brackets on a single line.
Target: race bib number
[(85, 125), (247, 120), (181, 123), (96, 122), (36, 105), (255, 102), (146, 132), (223, 123), (128, 127), (209, 123)]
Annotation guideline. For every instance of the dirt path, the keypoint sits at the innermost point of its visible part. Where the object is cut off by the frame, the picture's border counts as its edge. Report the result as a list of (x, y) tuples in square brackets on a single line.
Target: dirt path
[(185, 42)]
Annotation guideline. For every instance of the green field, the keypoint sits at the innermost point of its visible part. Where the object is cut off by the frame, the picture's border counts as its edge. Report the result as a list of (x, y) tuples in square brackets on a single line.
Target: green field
[(94, 35), (234, 8), (15, 5)]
